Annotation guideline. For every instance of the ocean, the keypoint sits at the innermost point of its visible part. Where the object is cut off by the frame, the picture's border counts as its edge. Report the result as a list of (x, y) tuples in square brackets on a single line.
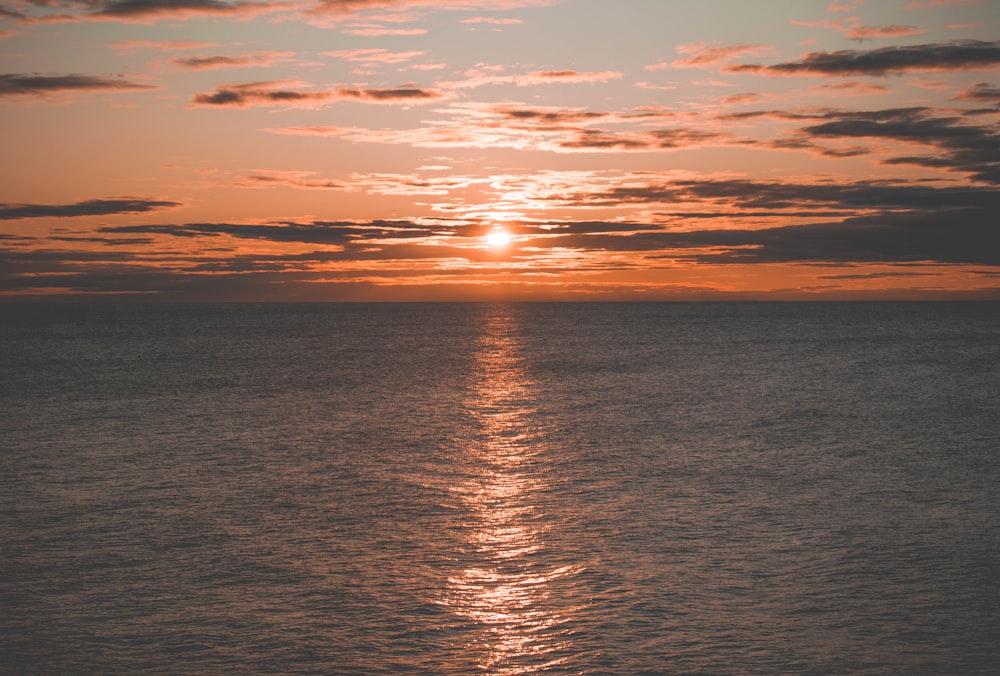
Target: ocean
[(455, 489)]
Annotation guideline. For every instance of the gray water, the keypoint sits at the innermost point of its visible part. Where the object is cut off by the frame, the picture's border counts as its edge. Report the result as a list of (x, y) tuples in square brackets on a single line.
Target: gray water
[(500, 489)]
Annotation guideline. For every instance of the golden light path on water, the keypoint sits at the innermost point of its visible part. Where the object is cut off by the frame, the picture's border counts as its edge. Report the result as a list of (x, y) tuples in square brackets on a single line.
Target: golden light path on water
[(509, 588)]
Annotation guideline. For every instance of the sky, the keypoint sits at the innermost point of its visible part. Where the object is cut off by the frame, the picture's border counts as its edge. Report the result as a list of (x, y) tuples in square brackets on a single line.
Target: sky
[(401, 150)]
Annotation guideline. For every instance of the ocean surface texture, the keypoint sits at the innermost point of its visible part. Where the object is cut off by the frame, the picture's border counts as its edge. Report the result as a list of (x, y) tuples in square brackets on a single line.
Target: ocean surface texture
[(500, 489)]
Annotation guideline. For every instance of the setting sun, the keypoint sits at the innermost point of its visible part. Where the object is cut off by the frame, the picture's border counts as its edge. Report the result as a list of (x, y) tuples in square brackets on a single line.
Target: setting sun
[(498, 237), (353, 150)]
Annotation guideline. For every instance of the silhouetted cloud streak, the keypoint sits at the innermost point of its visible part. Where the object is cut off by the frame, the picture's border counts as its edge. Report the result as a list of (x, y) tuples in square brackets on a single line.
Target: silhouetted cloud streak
[(949, 56), (19, 84), (279, 93), (96, 207)]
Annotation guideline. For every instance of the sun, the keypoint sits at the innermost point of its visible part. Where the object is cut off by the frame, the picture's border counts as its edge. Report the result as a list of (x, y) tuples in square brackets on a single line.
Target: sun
[(497, 238)]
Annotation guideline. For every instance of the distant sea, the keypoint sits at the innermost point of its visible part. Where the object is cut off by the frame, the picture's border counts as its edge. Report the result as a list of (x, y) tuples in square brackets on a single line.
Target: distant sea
[(455, 489)]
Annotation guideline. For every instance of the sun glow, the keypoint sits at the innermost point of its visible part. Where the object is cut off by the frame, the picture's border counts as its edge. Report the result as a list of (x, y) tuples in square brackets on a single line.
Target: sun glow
[(498, 237)]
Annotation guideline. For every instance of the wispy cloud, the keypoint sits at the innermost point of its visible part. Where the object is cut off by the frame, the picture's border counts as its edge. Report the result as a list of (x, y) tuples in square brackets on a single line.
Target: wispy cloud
[(405, 95), (957, 144), (710, 55), (373, 55), (149, 11), (981, 91), (221, 61), (349, 7), (531, 128), (268, 93), (314, 232), (853, 28), (495, 111), (95, 207), (940, 57), (479, 77), (6, 13), (493, 21), (22, 84), (291, 179), (889, 238), (853, 88), (282, 93), (376, 30), (894, 223)]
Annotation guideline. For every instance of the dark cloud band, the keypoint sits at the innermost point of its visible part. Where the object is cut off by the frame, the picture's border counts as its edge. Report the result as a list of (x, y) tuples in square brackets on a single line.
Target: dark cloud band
[(9, 212), (15, 84), (949, 56)]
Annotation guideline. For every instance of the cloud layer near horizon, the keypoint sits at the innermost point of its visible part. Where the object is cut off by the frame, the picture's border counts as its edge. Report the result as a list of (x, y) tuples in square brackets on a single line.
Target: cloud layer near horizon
[(854, 152)]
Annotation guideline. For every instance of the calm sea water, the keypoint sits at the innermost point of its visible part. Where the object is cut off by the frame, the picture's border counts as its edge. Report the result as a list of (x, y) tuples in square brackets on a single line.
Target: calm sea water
[(500, 489)]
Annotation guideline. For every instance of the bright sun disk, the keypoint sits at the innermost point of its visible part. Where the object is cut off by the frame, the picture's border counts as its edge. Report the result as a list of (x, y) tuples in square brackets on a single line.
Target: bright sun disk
[(498, 237)]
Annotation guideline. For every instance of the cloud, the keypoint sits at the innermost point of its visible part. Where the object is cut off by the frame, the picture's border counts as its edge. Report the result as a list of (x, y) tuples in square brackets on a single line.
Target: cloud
[(278, 93), (336, 233), (952, 56), (350, 7), (493, 21), (549, 116), (144, 11), (396, 95), (737, 99), (261, 94), (241, 61), (96, 207), (657, 139), (710, 55), (981, 91), (292, 179), (16, 84), (728, 196), (878, 275), (958, 145), (948, 236), (854, 88), (316, 130), (374, 184), (855, 30), (373, 55), (510, 126), (567, 76), (482, 77), (958, 236), (862, 32), (370, 31)]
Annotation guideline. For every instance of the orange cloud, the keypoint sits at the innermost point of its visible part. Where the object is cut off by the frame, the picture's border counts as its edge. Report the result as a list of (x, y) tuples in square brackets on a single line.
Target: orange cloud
[(373, 55), (479, 78), (278, 93), (219, 61), (493, 21), (711, 54)]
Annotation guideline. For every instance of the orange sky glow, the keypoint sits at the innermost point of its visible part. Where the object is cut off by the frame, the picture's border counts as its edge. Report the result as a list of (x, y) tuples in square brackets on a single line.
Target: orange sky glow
[(398, 150)]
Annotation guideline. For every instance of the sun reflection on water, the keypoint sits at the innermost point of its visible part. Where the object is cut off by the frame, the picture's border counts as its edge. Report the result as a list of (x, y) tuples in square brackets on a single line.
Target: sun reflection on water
[(508, 586)]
